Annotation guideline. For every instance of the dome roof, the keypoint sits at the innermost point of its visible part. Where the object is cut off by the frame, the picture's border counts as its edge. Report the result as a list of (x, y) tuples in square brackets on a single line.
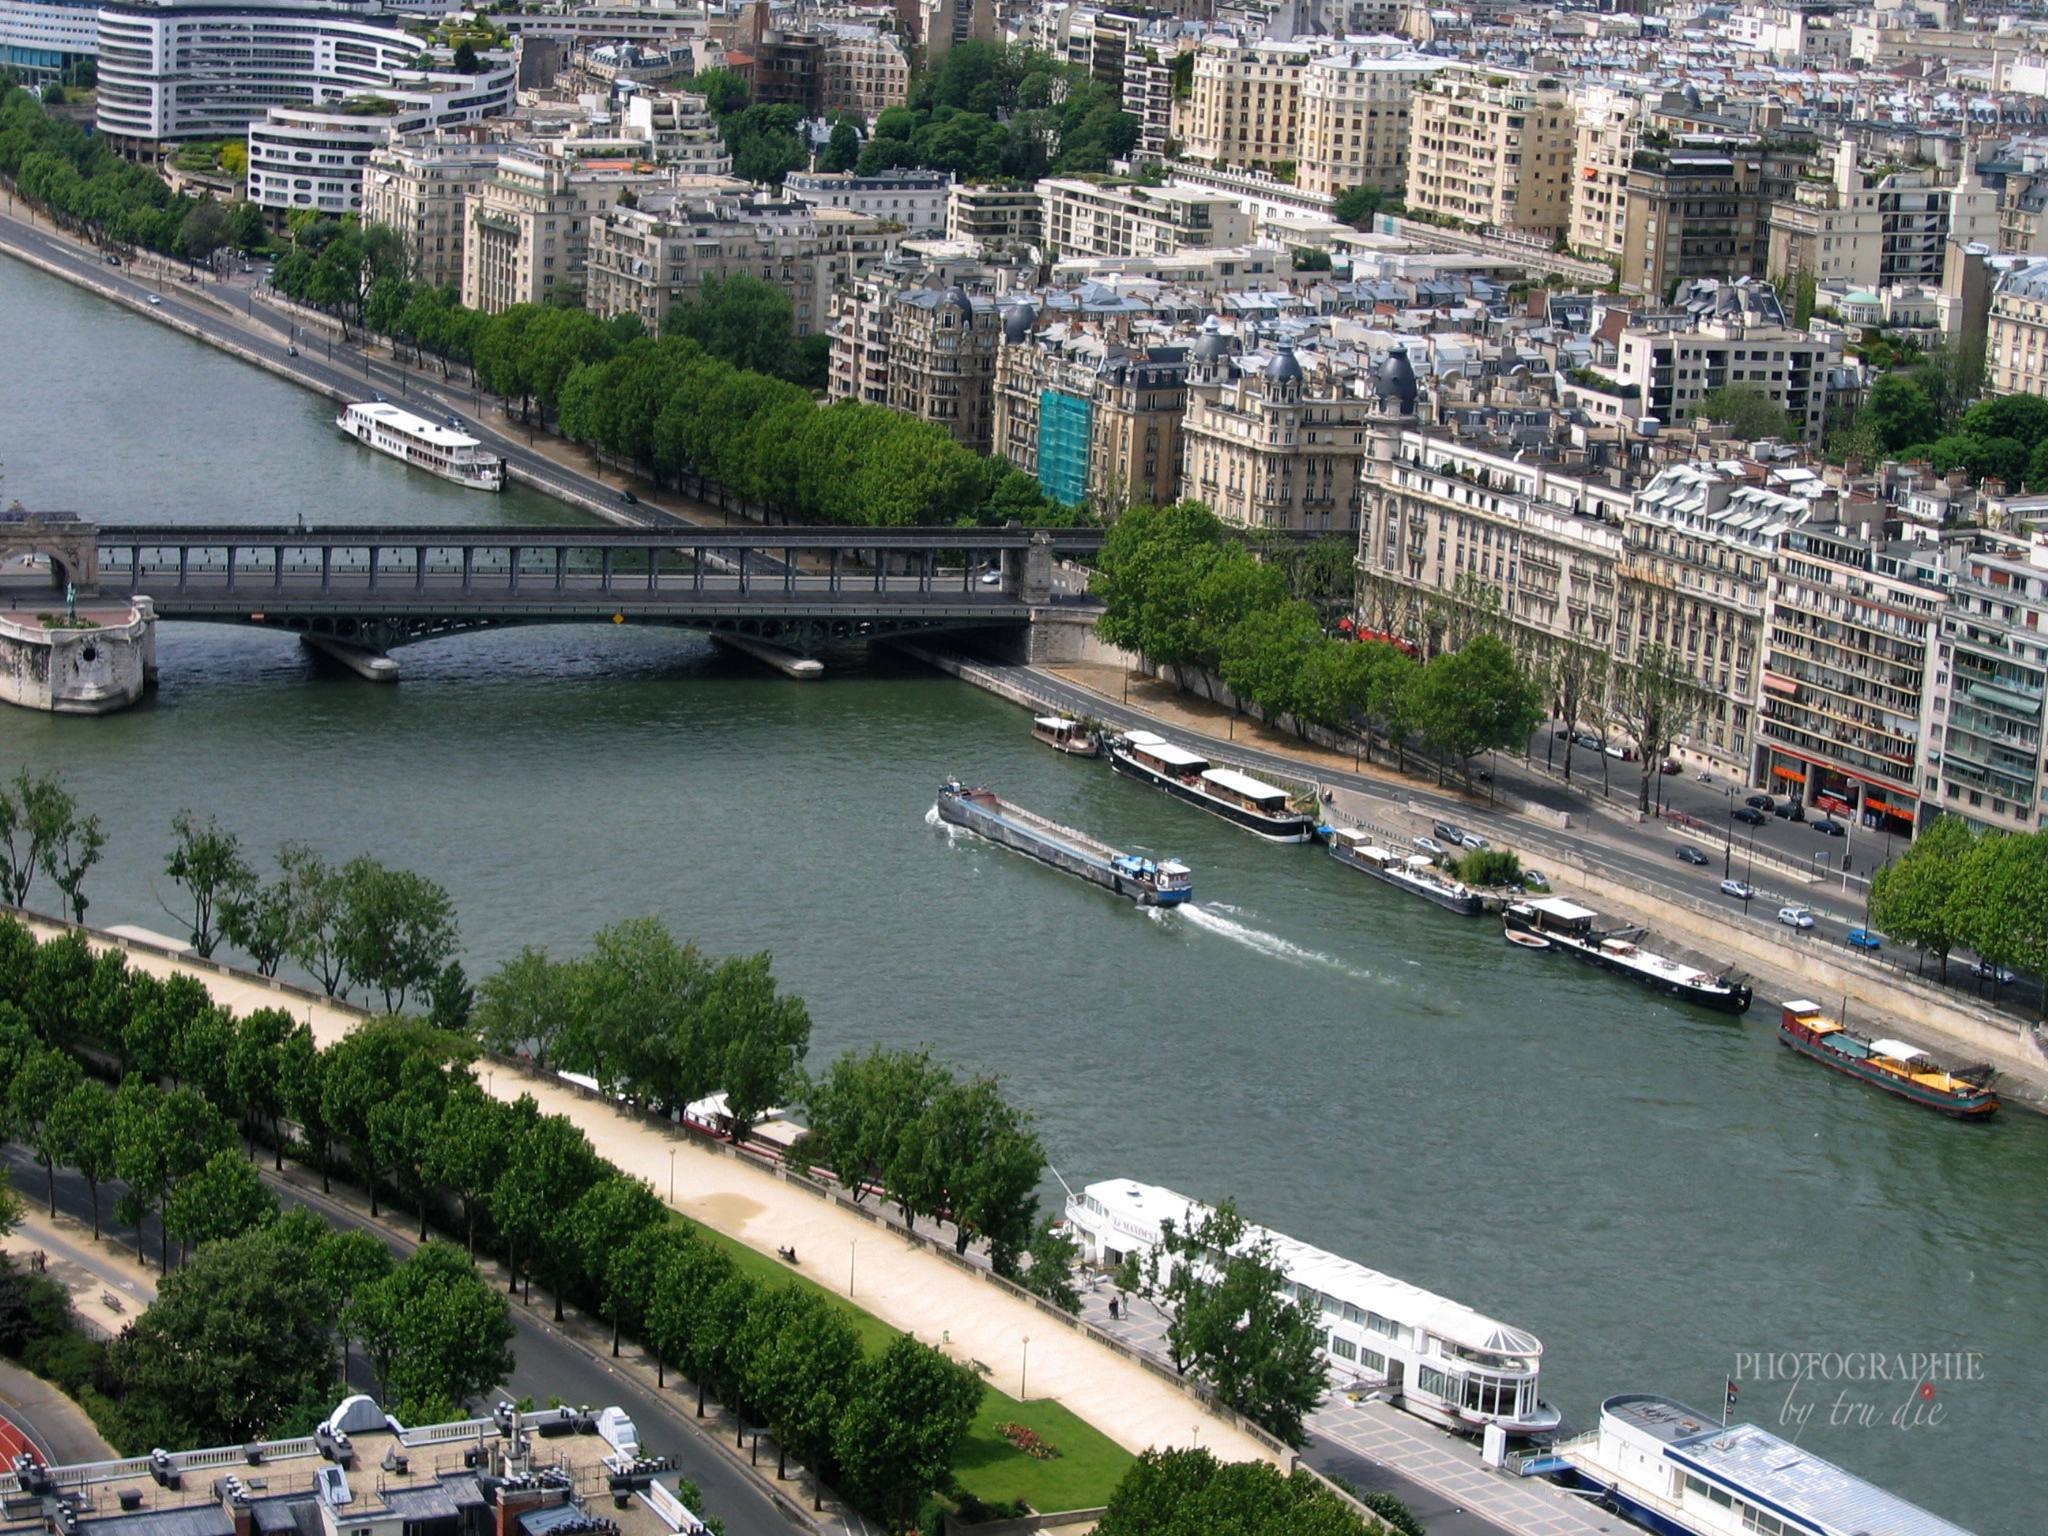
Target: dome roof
[(1395, 379), (1284, 367), (1017, 323), (957, 297), (1212, 346)]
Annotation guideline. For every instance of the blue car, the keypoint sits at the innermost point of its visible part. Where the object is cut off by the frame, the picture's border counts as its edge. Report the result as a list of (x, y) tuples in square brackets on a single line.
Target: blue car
[(1863, 938)]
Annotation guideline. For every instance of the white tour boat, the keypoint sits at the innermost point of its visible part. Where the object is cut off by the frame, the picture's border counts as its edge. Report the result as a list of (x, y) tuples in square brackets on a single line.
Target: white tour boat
[(1237, 797), (1437, 1358), (425, 444)]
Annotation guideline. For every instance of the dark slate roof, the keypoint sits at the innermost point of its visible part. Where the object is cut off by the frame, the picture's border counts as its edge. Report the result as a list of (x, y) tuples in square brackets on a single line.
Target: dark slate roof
[(188, 1520)]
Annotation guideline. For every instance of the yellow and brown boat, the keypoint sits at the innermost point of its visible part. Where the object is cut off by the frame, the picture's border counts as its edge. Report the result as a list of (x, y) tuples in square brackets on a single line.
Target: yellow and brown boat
[(1892, 1065)]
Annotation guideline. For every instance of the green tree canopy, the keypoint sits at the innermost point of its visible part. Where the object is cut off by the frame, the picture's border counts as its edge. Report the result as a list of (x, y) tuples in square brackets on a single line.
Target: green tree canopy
[(1748, 413), (1915, 900)]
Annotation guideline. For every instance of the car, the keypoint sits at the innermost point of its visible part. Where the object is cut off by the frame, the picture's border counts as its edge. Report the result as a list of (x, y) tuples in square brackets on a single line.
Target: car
[(1759, 802), (1996, 973), (1827, 826), (1669, 765), (1863, 938), (1450, 833), (1534, 880), (1795, 917), (1625, 754), (991, 578), (113, 261), (629, 498), (1749, 815), (1564, 735), (1430, 846), (1687, 854), (455, 423), (1738, 890), (153, 299), (1473, 841), (1791, 810), (1589, 741), (379, 399), (291, 351)]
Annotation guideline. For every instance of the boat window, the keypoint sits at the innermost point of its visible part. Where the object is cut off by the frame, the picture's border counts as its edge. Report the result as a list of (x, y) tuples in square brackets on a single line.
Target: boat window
[(1382, 1325), (1436, 1383), (1343, 1349), (1373, 1360), (1333, 1306), (1491, 1394)]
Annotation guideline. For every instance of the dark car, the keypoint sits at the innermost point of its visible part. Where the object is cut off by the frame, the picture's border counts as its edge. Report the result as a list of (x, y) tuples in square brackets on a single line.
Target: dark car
[(1687, 854), (629, 498), (1452, 835), (1749, 816), (1827, 826), (1759, 802), (1791, 810), (1669, 765)]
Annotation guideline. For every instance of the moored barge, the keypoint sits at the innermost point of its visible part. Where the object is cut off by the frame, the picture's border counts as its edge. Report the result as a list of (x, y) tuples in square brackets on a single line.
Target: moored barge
[(1569, 927), (423, 444), (1148, 882), (1238, 798), (1414, 873), (1064, 734), (1893, 1065)]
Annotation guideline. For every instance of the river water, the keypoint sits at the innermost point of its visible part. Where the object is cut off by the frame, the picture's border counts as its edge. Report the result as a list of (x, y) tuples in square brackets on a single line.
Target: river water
[(1650, 1188)]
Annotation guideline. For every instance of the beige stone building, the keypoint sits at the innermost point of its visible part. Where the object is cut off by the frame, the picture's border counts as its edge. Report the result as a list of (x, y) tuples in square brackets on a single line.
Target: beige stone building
[(1608, 129), (529, 225), (1244, 104), (1104, 218), (941, 352), (1088, 416), (420, 186), (997, 216), (866, 72), (2016, 359), (1354, 120), (1492, 147), (1737, 336)]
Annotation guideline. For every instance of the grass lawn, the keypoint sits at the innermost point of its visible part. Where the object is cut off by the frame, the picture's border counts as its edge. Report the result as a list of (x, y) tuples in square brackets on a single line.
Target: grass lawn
[(989, 1467)]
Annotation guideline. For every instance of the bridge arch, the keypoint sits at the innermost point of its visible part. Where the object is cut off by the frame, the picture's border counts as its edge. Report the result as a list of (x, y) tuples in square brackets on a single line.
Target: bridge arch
[(71, 546)]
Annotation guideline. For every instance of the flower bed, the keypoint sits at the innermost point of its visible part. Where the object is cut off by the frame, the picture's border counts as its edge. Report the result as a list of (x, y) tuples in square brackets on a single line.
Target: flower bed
[(1029, 1441)]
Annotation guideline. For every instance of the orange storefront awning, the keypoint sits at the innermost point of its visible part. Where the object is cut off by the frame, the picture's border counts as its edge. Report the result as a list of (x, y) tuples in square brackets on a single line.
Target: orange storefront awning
[(1779, 684), (1789, 773)]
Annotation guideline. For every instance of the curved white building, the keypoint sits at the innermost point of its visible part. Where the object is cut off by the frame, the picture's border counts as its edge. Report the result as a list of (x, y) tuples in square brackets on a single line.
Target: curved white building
[(175, 72)]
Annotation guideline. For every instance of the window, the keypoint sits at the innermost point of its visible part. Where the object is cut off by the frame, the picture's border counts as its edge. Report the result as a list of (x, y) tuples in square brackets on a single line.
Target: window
[(1435, 1382)]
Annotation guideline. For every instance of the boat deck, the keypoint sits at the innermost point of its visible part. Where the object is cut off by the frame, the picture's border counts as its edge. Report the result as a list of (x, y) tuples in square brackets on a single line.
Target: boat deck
[(1041, 826)]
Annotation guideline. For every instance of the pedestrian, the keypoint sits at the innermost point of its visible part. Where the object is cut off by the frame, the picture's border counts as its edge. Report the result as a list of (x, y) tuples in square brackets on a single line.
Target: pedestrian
[(1112, 1309)]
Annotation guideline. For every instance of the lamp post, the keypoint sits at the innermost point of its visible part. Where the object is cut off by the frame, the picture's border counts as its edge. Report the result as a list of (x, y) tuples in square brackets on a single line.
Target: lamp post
[(671, 1175), (1728, 853), (852, 1251), (1024, 1371)]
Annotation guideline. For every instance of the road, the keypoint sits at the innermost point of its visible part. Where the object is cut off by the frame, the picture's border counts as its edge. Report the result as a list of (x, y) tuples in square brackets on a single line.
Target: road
[(550, 1364)]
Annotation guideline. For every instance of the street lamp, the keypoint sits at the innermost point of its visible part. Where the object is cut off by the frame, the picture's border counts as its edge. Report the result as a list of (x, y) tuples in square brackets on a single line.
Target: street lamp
[(1024, 1371), (671, 1175), (852, 1249)]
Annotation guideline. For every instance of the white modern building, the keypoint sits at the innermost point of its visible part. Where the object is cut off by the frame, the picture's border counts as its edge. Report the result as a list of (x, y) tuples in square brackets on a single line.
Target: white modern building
[(915, 199), (41, 39), (181, 71), (1438, 1359)]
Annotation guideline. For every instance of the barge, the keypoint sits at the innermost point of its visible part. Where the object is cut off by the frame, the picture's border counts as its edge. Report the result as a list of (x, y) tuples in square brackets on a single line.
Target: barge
[(1893, 1065), (1063, 734), (1569, 927), (1148, 882), (1414, 873), (1238, 798)]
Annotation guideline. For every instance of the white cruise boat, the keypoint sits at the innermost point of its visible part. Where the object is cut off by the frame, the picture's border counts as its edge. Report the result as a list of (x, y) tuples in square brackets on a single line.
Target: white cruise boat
[(1237, 797), (424, 444), (1437, 1358), (1682, 1473)]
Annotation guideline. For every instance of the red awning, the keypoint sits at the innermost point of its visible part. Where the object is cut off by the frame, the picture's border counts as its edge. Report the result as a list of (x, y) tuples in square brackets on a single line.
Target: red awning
[(1872, 803), (1779, 684), (1789, 773)]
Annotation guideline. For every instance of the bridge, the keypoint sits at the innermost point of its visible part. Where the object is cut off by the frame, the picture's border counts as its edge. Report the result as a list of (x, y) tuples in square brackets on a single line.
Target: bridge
[(797, 589)]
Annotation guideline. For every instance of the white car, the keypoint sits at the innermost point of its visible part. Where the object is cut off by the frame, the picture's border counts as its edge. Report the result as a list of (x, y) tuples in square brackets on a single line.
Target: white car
[(1473, 840), (1430, 846), (1998, 973), (154, 299), (1795, 917)]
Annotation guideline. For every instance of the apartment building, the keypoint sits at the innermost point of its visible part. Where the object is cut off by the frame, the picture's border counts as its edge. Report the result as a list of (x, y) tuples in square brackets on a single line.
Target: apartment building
[(2016, 354), (1354, 120), (1879, 225), (677, 129), (866, 71), (1702, 541), (1492, 147), (941, 361), (1148, 96), (43, 40), (996, 216), (1608, 131), (1855, 620), (529, 230), (647, 258), (1089, 417), (1244, 103), (1108, 218), (1737, 334), (917, 200), (1703, 212), (420, 185), (1990, 677)]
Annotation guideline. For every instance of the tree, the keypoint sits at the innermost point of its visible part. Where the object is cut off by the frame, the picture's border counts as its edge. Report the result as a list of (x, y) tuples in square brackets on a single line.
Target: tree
[(318, 898), (40, 1085), (861, 1110), (741, 319), (256, 1062), (81, 1127), (1899, 411), (550, 1167), (802, 1356), (73, 847), (1578, 677), (756, 1037), (1053, 1253), (224, 1199), (396, 931), (1748, 413), (466, 61), (38, 820), (1358, 206), (348, 1264), (1233, 1322), (525, 1006), (262, 922), (209, 864), (1169, 1491), (436, 1334), (470, 1143), (725, 91), (2002, 895), (235, 1342), (302, 1078), (1656, 699), (973, 1157), (603, 1224), (1915, 900), (1476, 699), (898, 1437), (205, 230), (842, 153)]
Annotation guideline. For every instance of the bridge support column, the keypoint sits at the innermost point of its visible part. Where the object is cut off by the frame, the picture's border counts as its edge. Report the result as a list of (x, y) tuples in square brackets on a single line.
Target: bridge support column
[(785, 662), (371, 666)]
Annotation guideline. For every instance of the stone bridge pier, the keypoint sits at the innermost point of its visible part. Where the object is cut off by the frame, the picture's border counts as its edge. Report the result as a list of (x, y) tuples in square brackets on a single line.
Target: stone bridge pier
[(69, 544)]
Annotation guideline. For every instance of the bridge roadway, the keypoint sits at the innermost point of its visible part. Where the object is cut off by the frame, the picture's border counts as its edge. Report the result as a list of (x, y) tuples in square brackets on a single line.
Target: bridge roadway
[(800, 589)]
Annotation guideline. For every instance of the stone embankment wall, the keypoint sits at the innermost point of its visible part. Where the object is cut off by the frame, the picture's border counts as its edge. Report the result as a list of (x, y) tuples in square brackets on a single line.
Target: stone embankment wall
[(77, 671)]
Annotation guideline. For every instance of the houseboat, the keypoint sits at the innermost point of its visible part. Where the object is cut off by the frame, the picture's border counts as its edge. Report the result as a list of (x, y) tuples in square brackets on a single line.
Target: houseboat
[(1569, 927), (1148, 882), (1414, 873), (1237, 797), (1892, 1065), (1067, 735), (423, 444), (1682, 1473), (1438, 1359)]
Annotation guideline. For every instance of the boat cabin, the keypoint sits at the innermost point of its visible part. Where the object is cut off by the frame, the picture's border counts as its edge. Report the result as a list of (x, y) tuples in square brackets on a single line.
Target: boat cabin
[(1244, 791), (1156, 752), (1068, 735), (1553, 914)]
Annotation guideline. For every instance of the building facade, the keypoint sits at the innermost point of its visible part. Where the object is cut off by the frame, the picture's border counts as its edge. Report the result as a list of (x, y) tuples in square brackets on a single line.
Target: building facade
[(1492, 147), (420, 185), (917, 200), (1745, 341), (1354, 120), (866, 72), (1244, 105), (1990, 677), (996, 216), (2016, 355), (941, 351), (529, 225), (44, 40), (1703, 213), (1087, 218), (1087, 418), (1608, 128)]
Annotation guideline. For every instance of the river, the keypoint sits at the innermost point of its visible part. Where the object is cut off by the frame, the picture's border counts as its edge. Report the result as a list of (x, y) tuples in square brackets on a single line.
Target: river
[(1650, 1188)]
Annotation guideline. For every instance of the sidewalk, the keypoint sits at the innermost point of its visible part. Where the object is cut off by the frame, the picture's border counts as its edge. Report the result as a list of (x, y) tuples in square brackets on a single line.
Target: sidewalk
[(109, 1289), (59, 1430)]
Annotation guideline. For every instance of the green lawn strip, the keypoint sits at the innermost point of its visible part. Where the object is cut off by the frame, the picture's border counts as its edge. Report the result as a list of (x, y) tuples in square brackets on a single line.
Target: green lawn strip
[(1082, 1476), (992, 1469)]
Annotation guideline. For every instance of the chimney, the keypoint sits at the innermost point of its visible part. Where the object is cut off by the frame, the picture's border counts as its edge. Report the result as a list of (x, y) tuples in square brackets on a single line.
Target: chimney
[(1993, 487), (1957, 480)]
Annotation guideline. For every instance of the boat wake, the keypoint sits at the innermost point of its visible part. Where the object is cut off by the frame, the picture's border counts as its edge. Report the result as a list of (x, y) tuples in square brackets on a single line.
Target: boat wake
[(953, 833), (1265, 943)]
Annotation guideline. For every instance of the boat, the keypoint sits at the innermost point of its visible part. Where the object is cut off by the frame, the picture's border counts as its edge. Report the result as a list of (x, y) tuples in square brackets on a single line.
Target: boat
[(1427, 1354), (1067, 735), (1527, 940), (1569, 927), (1892, 1065), (1680, 1472), (423, 444), (1414, 873), (1148, 882), (1237, 797)]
